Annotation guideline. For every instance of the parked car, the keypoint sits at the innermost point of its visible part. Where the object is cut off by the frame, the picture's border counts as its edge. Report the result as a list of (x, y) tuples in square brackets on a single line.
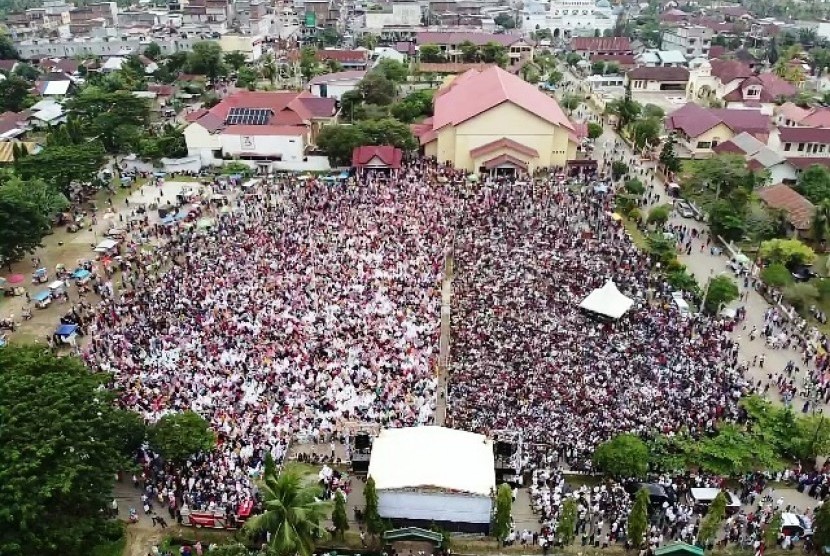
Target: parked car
[(684, 209), (803, 273), (796, 525)]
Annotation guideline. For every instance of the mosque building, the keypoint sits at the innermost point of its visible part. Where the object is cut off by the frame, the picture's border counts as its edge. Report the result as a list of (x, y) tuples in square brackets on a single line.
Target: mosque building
[(570, 18)]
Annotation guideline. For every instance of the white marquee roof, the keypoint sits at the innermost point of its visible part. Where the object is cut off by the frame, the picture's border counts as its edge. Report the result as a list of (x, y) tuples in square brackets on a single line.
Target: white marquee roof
[(435, 457), (607, 301)]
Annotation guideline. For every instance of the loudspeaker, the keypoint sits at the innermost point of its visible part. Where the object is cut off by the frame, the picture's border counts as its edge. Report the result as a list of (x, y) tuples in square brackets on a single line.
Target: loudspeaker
[(362, 441)]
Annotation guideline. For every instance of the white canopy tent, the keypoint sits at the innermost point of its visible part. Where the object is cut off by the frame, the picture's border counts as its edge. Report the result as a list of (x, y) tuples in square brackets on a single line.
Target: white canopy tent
[(607, 301)]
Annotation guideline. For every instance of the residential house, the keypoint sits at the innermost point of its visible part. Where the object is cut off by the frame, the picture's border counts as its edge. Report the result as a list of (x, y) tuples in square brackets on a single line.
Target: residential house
[(13, 125), (715, 79), (589, 46), (7, 66), (662, 58), (66, 66), (623, 61), (270, 130), (799, 210), (493, 121), (348, 59), (698, 129), (790, 114), (450, 43), (656, 78), (46, 113), (692, 41), (334, 85), (760, 91), (385, 157), (758, 157), (802, 141)]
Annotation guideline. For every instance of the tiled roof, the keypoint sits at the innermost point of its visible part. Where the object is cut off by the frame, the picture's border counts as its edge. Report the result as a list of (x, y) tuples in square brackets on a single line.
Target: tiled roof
[(693, 120), (456, 38), (792, 111), (161, 89), (727, 147), (7, 65), (781, 197), (7, 149), (655, 73), (358, 56), (729, 70), (387, 154), (475, 92), (505, 159), (716, 51), (287, 108), (804, 135), (620, 59), (604, 44), (804, 162), (338, 76), (450, 67), (10, 121)]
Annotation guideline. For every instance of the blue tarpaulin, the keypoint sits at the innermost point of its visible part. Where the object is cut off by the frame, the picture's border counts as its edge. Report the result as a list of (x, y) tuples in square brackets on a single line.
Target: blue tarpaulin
[(66, 329), (80, 274), (182, 214), (168, 219)]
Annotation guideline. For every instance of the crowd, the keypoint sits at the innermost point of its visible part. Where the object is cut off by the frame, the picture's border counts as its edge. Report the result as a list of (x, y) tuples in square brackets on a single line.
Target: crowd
[(526, 357), (305, 306)]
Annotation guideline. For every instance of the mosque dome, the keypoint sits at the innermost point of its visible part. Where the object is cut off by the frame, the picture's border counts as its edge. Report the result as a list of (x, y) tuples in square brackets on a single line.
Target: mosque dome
[(603, 4)]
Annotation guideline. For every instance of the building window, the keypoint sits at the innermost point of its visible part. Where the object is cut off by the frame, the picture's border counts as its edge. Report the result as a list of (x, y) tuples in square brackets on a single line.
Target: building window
[(787, 146), (704, 145), (800, 147)]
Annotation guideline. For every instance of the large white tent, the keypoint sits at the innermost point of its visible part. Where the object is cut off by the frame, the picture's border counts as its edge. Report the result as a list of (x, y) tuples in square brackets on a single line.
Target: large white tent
[(607, 301), (426, 474)]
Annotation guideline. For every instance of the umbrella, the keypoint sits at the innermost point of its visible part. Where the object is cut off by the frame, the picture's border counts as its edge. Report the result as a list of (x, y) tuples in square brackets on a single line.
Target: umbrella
[(204, 223), (15, 279)]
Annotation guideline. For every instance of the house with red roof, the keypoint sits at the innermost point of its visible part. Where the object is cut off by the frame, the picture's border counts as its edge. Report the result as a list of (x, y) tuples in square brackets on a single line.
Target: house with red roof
[(715, 79), (760, 91), (796, 142), (259, 126), (493, 121), (699, 130), (348, 59), (377, 157), (450, 42), (792, 115)]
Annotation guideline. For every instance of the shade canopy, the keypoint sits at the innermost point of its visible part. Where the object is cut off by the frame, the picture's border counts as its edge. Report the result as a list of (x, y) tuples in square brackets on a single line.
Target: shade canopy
[(607, 301), (433, 458)]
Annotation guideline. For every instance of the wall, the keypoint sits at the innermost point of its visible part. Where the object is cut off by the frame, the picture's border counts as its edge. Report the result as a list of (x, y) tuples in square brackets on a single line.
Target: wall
[(289, 147), (69, 48), (201, 143), (334, 90), (251, 46), (550, 141), (720, 133), (458, 508)]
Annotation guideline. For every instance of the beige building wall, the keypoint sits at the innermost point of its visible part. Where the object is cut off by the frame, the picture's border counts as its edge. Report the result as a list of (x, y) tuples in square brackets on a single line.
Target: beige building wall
[(505, 121)]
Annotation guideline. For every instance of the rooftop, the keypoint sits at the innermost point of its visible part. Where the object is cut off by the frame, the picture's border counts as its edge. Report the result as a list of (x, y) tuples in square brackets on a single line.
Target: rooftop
[(605, 44), (782, 197), (656, 73), (458, 37), (693, 120)]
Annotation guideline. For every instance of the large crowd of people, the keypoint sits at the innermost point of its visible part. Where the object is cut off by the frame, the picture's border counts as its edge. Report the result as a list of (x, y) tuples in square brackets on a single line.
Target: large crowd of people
[(526, 357)]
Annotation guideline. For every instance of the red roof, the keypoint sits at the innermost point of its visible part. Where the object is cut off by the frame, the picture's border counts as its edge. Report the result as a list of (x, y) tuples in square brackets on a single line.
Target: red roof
[(656, 73), (503, 143), (772, 88), (601, 44), (161, 89), (389, 155), (820, 135), (727, 147), (692, 119), (7, 65), (729, 70), (716, 51), (456, 38), (505, 159), (10, 121), (782, 197), (804, 162), (353, 56), (474, 92), (620, 59), (287, 108)]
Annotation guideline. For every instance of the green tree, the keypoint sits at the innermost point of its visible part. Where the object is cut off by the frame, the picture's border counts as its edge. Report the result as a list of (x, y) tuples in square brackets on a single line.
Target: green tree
[(503, 514), (23, 224), (776, 275), (329, 37), (392, 70), (14, 94), (662, 249), (814, 183), (787, 252), (682, 280), (570, 102), (388, 131), (638, 518), (772, 530), (235, 59), (626, 109), (821, 527), (369, 41), (375, 88), (308, 62), (653, 111), (293, 514), (59, 450), (725, 221), (659, 215), (116, 119), (339, 141), (469, 52), (494, 53), (733, 451), (60, 165), (205, 58), (721, 290), (634, 187), (566, 526), (338, 517), (712, 520), (26, 71), (505, 21), (821, 221), (555, 77), (177, 436), (598, 68), (624, 456), (668, 158), (618, 169), (269, 68), (246, 78), (594, 130), (572, 59), (646, 132), (800, 295), (374, 524), (153, 51), (431, 53), (7, 49)]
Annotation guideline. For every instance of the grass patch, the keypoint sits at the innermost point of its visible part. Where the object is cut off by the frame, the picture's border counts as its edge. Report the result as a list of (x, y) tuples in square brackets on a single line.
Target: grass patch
[(636, 234)]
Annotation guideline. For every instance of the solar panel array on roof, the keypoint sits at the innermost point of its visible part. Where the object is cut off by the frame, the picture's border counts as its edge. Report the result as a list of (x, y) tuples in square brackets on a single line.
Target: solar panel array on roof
[(248, 116)]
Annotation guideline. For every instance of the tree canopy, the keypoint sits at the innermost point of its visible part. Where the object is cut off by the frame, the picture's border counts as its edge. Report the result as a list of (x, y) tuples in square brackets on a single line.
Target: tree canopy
[(177, 436), (787, 252), (26, 208), (61, 443), (624, 456), (503, 513), (721, 291)]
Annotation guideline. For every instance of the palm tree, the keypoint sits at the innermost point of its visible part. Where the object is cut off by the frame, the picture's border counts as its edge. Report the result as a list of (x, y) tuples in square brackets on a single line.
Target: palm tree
[(269, 68), (293, 514)]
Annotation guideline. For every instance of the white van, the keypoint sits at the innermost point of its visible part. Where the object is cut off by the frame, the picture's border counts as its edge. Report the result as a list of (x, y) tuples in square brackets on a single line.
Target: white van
[(681, 304), (795, 525), (701, 499)]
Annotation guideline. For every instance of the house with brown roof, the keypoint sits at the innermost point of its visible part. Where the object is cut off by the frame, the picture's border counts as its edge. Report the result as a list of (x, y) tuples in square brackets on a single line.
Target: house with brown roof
[(493, 121), (268, 129), (792, 115), (792, 142), (625, 62), (798, 209), (760, 91), (377, 157), (450, 43), (714, 79), (759, 157), (699, 130), (656, 78), (589, 46), (348, 59)]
